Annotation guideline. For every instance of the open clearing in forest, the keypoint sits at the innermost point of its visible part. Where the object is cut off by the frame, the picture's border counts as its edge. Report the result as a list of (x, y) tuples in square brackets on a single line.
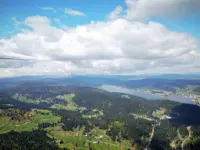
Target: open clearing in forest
[(39, 116), (70, 104), (96, 139)]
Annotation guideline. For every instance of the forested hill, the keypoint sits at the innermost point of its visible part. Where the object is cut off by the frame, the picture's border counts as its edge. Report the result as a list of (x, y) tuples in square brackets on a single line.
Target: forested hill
[(74, 117), (164, 83)]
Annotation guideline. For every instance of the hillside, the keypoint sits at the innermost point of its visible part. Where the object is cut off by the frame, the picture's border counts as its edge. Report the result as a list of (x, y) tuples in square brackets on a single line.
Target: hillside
[(74, 117)]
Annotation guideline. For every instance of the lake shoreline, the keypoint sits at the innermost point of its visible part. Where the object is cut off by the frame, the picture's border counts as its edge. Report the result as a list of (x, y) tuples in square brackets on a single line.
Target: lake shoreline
[(146, 95)]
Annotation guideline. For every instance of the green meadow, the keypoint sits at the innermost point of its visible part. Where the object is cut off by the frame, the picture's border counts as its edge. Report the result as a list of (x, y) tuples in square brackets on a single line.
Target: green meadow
[(39, 116)]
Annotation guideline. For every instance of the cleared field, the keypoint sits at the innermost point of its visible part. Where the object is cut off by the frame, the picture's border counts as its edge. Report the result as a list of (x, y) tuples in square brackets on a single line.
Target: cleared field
[(96, 139), (67, 139), (66, 97), (100, 140), (159, 114), (142, 116), (70, 105), (93, 114), (7, 125), (23, 98)]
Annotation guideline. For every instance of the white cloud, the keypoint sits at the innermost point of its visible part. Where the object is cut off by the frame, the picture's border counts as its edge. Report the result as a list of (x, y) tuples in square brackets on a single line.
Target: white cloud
[(41, 26), (145, 9), (57, 20), (48, 9), (72, 12), (115, 13), (16, 21), (117, 46)]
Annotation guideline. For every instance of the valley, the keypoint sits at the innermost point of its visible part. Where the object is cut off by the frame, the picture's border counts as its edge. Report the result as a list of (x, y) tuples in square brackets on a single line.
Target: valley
[(80, 117)]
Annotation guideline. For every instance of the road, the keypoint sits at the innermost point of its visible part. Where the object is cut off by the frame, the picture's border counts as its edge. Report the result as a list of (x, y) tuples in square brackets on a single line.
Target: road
[(151, 136), (186, 138)]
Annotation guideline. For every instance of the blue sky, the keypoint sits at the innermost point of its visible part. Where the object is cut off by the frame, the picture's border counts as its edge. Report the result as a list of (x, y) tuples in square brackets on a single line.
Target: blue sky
[(20, 9), (99, 37), (95, 10), (189, 23)]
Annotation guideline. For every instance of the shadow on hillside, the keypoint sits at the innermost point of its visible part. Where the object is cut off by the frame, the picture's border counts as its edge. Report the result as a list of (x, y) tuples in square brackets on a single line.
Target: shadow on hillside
[(186, 114)]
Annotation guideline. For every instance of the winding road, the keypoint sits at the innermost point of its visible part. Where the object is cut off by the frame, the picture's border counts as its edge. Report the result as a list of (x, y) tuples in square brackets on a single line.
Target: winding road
[(186, 138), (152, 134)]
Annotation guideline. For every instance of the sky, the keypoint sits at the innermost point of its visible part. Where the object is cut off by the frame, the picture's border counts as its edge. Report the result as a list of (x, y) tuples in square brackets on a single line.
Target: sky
[(124, 37)]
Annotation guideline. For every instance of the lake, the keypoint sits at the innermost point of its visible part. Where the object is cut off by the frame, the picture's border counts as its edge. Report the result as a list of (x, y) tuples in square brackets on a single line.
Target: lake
[(148, 96)]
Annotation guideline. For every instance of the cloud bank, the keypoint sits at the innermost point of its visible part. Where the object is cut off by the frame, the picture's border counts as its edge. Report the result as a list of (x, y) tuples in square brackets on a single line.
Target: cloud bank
[(145, 9), (116, 46)]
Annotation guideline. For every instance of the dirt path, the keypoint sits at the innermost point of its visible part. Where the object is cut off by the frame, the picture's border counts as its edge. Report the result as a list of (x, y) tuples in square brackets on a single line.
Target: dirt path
[(184, 140), (179, 135), (151, 136)]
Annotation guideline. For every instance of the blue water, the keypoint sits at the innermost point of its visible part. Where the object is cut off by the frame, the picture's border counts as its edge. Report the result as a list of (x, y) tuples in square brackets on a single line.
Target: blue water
[(177, 98)]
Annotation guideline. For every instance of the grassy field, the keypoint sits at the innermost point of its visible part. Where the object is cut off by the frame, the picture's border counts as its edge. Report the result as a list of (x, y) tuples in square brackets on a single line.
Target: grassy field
[(93, 114), (159, 114), (23, 98), (142, 116), (7, 125), (96, 139), (70, 105), (68, 139), (66, 97), (105, 142)]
